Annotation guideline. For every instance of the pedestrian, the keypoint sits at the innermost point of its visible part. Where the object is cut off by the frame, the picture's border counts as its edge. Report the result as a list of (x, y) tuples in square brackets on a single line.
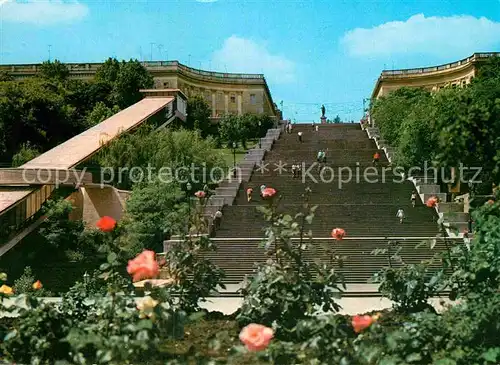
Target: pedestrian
[(217, 219), (300, 136), (319, 157), (316, 128), (467, 239), (376, 158), (323, 157), (249, 194), (262, 188), (401, 215), (413, 198)]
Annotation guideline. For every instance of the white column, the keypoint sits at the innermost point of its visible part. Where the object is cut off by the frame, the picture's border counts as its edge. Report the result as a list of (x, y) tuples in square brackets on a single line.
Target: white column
[(213, 103), (226, 103), (239, 103)]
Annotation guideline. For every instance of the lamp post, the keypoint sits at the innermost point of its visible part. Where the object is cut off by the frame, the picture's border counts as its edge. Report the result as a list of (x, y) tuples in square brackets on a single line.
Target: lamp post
[(234, 159), (260, 133), (188, 189)]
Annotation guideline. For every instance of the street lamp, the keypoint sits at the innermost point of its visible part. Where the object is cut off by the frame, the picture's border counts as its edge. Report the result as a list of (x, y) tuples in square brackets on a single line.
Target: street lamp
[(260, 133), (188, 189), (234, 159)]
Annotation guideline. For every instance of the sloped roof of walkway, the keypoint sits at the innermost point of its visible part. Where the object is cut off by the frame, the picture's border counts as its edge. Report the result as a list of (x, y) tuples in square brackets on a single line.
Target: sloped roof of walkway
[(81, 147)]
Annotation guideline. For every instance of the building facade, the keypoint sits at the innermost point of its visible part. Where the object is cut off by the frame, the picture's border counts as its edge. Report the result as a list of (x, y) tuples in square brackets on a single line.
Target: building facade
[(455, 74), (226, 93)]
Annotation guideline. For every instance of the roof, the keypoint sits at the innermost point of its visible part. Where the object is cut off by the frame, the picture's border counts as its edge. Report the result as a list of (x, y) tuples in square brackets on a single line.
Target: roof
[(84, 145), (79, 148)]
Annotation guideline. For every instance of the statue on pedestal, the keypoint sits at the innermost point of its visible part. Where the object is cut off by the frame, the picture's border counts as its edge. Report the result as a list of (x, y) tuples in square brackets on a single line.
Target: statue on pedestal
[(323, 110)]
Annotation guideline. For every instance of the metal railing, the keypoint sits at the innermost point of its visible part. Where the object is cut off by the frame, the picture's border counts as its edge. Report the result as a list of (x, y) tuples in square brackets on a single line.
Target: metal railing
[(413, 71)]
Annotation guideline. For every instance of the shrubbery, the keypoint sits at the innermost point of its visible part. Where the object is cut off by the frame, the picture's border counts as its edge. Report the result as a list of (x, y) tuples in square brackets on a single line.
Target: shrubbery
[(100, 321)]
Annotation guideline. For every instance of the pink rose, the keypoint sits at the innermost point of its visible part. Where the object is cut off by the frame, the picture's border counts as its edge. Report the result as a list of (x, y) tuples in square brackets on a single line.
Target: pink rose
[(338, 233), (144, 266), (200, 194), (431, 202), (256, 337), (268, 193)]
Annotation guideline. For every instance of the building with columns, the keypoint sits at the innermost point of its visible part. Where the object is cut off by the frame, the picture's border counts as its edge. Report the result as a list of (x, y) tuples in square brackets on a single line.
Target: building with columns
[(226, 93), (455, 74)]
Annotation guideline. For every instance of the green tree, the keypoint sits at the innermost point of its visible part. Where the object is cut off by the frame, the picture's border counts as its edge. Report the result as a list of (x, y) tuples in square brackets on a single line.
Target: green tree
[(336, 119), (417, 140), (5, 76), (25, 154), (108, 71), (100, 113), (167, 149), (54, 71), (126, 78), (198, 115), (155, 210), (229, 129), (389, 111)]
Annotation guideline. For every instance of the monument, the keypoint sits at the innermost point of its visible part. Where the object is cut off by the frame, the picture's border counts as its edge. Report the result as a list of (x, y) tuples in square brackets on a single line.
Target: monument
[(323, 118)]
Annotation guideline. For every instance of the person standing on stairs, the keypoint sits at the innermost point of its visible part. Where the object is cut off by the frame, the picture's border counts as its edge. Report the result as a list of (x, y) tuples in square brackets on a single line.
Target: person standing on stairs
[(413, 198), (217, 219), (401, 215), (319, 157), (300, 136), (249, 194), (376, 158), (262, 188)]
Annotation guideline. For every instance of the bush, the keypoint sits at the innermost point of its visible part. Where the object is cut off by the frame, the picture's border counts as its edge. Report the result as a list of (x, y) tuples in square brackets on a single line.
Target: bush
[(287, 289), (24, 285)]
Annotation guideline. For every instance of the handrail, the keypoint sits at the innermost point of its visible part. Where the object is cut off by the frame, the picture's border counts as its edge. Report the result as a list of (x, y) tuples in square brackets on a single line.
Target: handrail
[(330, 238), (150, 65), (424, 70)]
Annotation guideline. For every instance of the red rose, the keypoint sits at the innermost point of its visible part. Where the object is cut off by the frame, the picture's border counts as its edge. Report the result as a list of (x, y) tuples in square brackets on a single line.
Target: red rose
[(359, 323), (106, 224)]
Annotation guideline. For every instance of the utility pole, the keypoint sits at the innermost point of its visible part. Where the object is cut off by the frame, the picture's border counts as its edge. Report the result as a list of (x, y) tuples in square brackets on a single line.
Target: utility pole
[(151, 44), (160, 46)]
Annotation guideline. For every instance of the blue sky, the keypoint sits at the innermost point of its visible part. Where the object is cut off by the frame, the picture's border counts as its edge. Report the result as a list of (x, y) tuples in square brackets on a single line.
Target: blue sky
[(311, 52)]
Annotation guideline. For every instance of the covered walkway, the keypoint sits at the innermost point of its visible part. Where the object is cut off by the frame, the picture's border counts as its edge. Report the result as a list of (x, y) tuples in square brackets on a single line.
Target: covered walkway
[(21, 197)]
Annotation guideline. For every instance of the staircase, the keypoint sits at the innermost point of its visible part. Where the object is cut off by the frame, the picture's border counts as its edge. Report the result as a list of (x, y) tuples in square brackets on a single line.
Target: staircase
[(350, 194)]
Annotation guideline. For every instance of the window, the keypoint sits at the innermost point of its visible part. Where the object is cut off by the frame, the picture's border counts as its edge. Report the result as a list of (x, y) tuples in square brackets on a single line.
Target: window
[(233, 99), (253, 101)]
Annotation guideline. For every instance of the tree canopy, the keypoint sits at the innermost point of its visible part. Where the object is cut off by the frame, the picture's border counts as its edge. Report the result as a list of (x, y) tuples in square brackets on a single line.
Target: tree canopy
[(451, 127)]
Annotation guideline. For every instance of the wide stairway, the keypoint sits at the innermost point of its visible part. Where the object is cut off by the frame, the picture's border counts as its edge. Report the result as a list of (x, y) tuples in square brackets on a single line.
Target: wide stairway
[(350, 194)]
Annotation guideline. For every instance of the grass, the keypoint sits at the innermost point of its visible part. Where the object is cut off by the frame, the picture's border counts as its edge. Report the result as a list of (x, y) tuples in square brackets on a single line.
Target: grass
[(240, 153)]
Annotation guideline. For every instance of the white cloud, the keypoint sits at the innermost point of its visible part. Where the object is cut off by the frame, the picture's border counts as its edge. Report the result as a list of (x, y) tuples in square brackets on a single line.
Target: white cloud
[(454, 35), (42, 12), (247, 56)]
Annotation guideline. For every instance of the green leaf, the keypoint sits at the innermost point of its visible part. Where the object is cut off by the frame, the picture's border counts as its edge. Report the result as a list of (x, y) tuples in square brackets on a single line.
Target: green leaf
[(492, 354), (414, 357), (144, 324), (10, 335), (112, 257)]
